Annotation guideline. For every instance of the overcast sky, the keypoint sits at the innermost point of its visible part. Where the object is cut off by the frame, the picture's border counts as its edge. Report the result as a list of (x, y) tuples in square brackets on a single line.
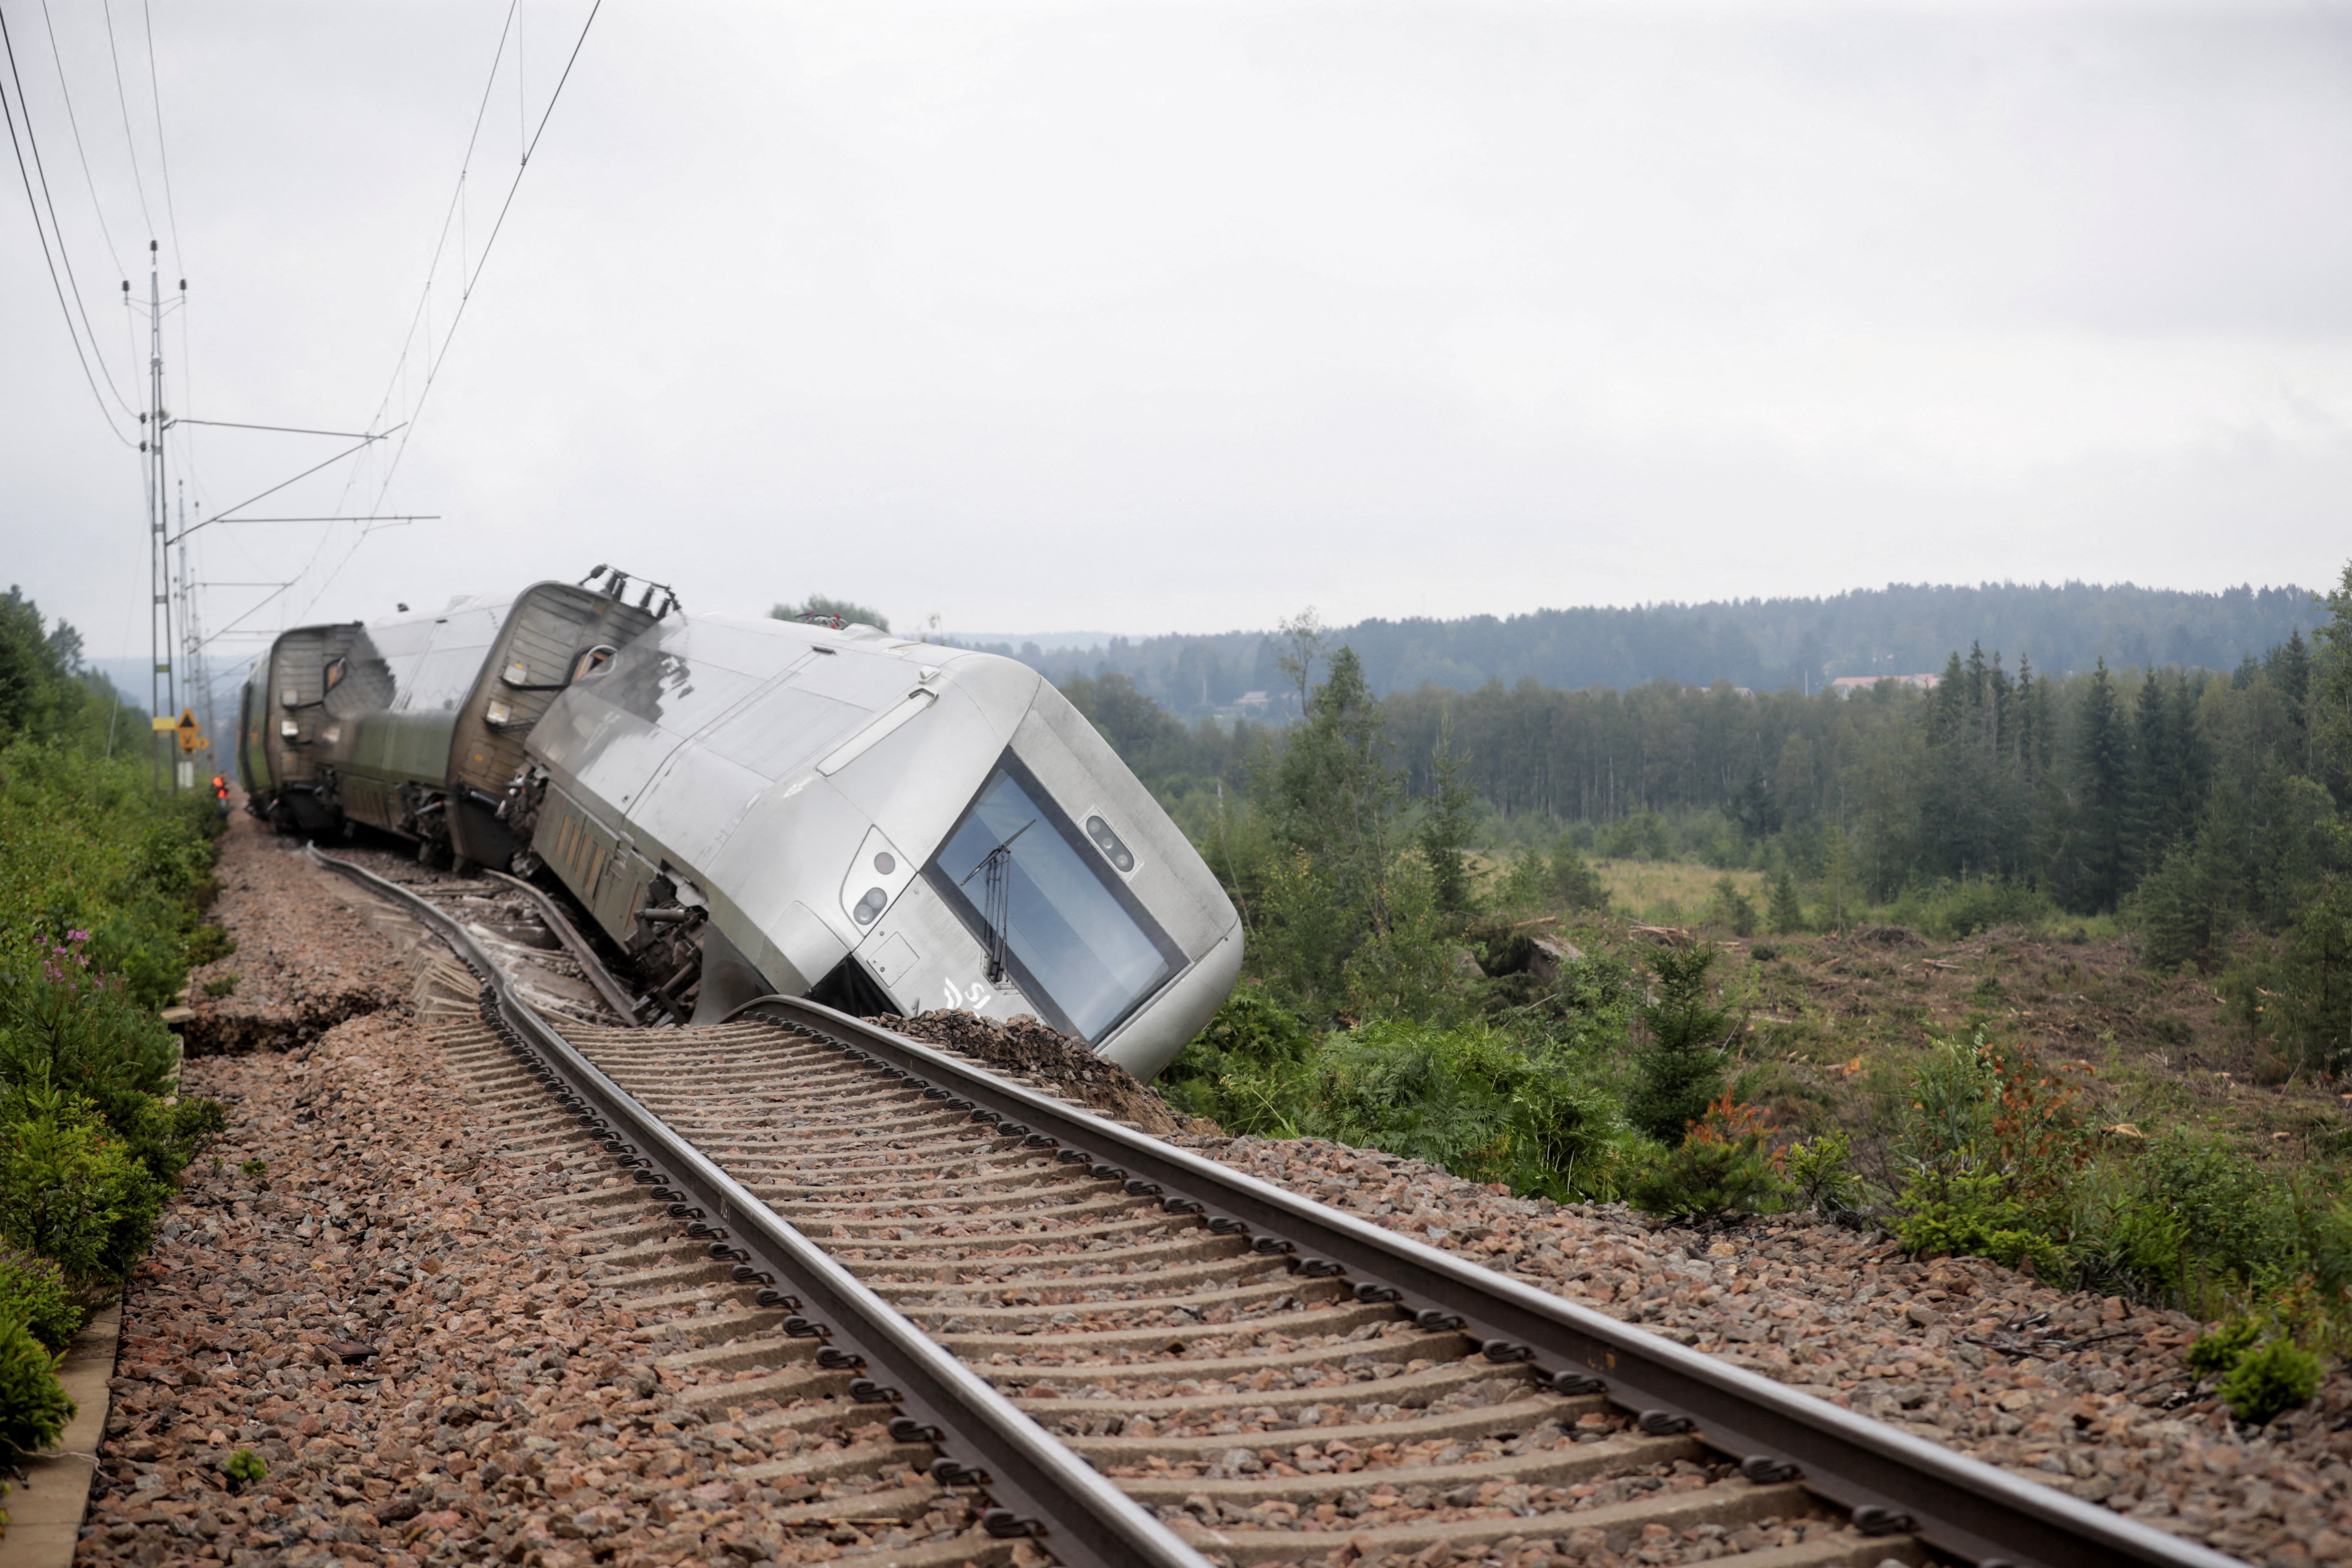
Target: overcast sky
[(1180, 317)]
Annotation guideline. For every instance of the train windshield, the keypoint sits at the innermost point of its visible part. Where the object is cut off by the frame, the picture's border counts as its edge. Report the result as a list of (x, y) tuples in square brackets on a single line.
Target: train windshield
[(1043, 900)]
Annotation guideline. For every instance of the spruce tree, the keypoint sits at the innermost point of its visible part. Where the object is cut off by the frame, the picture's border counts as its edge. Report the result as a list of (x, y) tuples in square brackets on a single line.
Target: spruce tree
[(1678, 1068), (1446, 823), (1574, 882), (1787, 915), (2098, 794)]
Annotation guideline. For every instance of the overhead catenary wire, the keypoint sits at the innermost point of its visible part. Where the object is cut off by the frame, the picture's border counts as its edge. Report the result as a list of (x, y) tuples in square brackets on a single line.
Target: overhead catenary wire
[(56, 284), (73, 123), (163, 154), (470, 277), (122, 101)]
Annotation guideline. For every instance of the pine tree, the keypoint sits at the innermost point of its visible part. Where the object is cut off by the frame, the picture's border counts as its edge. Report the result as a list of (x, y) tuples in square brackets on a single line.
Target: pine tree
[(1787, 915)]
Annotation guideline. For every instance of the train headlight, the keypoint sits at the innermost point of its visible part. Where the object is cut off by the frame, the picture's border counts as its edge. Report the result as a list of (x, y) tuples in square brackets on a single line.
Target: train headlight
[(288, 730), (1114, 849), (873, 880), (498, 715)]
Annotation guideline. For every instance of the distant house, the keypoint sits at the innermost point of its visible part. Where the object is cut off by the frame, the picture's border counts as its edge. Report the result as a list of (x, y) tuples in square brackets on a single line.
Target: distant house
[(1251, 704), (1847, 685)]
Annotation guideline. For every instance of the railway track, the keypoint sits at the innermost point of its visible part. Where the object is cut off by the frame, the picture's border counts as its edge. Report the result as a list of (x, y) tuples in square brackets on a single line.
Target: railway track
[(979, 1324)]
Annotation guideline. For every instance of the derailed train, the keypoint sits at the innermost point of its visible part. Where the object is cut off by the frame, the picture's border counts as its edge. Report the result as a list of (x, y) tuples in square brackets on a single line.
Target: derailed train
[(748, 806)]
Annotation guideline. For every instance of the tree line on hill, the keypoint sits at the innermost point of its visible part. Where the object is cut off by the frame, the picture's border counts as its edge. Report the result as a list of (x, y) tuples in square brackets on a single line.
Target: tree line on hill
[(1759, 644), (2203, 807)]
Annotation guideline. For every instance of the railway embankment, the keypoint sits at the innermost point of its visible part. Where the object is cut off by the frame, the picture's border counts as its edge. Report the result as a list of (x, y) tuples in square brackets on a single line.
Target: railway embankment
[(306, 959), (381, 1327), (399, 1316)]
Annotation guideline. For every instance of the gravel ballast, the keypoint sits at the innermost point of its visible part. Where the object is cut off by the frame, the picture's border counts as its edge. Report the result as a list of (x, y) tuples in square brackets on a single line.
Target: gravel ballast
[(2078, 1391), (305, 961), (417, 1319)]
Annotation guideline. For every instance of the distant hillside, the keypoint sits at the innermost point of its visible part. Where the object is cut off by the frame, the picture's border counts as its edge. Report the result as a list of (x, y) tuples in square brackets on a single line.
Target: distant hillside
[(1760, 643)]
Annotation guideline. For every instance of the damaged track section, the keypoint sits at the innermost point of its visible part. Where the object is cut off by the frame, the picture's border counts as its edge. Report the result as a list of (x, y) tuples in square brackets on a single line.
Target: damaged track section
[(1040, 1488), (1191, 1304)]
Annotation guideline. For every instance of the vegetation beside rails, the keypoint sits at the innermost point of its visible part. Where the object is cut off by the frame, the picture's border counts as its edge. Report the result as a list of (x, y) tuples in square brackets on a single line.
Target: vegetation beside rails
[(1422, 982), (102, 881)]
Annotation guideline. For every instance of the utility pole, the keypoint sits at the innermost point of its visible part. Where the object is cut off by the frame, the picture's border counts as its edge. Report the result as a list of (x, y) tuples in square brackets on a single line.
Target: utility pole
[(161, 693)]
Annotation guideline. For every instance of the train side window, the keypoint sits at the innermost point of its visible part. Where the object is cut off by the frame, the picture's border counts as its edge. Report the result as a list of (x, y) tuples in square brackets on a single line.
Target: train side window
[(593, 662)]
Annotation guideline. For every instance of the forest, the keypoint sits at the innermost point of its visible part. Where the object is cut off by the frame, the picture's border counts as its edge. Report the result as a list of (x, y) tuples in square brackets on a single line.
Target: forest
[(1437, 966), (1758, 644)]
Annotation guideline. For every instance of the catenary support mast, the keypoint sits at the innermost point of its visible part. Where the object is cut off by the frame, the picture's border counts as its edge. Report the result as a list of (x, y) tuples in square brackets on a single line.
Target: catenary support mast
[(161, 694)]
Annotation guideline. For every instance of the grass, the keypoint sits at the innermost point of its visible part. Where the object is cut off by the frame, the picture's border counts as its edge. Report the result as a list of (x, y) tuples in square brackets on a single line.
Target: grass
[(1672, 892)]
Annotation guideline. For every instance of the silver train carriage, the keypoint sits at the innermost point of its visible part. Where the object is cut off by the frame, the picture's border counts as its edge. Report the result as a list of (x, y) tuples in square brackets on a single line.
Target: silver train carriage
[(750, 806), (416, 723)]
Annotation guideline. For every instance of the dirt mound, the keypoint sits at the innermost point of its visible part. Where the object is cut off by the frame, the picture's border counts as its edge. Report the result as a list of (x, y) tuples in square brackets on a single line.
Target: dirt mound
[(1069, 1068)]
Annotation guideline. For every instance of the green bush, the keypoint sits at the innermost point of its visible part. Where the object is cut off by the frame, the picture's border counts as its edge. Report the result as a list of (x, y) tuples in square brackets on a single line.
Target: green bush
[(1950, 911), (33, 1292), (1472, 1099), (1728, 907), (34, 1405), (2216, 1353), (61, 1029), (1704, 1179), (1970, 1214), (1233, 1072), (88, 845), (243, 1469), (1822, 1173), (2270, 1378), (71, 1190)]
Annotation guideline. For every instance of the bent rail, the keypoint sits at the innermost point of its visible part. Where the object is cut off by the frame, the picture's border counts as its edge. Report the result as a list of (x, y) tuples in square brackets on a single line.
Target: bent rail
[(1042, 1489)]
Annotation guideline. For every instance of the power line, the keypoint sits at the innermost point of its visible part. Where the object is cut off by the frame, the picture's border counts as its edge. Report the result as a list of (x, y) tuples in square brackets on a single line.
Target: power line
[(25, 104), (123, 99), (56, 284), (73, 122), (467, 294), (163, 157), (433, 369)]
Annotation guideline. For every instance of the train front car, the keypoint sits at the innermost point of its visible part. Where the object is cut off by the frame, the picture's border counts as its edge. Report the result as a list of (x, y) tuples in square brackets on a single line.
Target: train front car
[(881, 824)]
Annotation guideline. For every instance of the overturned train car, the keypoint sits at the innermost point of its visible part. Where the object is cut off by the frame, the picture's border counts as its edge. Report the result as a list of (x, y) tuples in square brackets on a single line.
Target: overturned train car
[(748, 806)]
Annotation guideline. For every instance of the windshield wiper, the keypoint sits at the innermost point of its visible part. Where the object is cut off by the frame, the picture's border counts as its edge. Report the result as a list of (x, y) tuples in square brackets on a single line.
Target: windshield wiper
[(996, 899)]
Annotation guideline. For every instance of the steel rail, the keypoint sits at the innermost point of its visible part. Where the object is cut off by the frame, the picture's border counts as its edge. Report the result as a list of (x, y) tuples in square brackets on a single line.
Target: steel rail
[(1041, 1488), (609, 988), (1891, 1482)]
